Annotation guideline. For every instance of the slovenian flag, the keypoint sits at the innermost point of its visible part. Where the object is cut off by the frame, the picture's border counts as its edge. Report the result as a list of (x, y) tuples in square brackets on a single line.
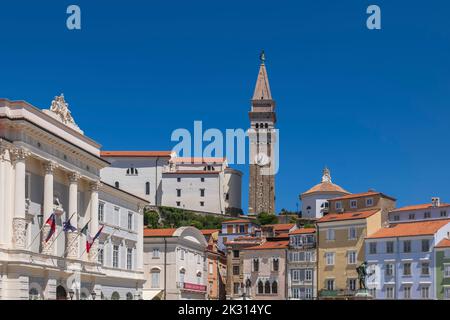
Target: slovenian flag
[(90, 240), (51, 221)]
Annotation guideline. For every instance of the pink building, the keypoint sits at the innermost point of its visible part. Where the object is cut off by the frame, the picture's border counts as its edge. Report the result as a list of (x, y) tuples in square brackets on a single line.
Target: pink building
[(265, 270)]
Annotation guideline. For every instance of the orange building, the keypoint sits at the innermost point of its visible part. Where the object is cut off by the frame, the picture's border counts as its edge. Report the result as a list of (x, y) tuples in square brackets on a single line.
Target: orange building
[(216, 266)]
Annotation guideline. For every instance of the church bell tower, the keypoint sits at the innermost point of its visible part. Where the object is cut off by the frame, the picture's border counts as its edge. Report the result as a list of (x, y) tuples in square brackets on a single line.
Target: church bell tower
[(262, 136)]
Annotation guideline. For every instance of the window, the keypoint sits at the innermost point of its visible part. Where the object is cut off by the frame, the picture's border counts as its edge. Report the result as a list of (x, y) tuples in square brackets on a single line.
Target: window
[(443, 213), (256, 264), (236, 287), (202, 192), (242, 228), (235, 270), (308, 275), (352, 233), (338, 205), (369, 202), (155, 254), (447, 293), (330, 234), (100, 256), (389, 292), (411, 216), (275, 264), (427, 215), (274, 287), (202, 179), (260, 287), (116, 217), (352, 284), (129, 258), (329, 256), (390, 247), (129, 296), (235, 253), (407, 246), (199, 278), (178, 179), (425, 245), (101, 211), (407, 269), (182, 274), (389, 270), (155, 278), (372, 247), (33, 294), (130, 220), (211, 268), (373, 292), (116, 184), (425, 268), (181, 254), (407, 292), (132, 172), (115, 256), (178, 203), (353, 204), (202, 203), (178, 192), (351, 258), (396, 217), (330, 284), (199, 258), (147, 188), (447, 270), (267, 287), (27, 185)]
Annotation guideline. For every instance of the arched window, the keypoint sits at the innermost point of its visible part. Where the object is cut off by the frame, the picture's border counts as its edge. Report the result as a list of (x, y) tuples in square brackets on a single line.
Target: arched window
[(256, 126), (116, 184), (129, 296), (128, 171), (256, 264), (182, 273), (147, 188), (115, 296), (266, 125), (274, 287), (260, 287), (33, 294), (199, 277), (155, 277), (267, 287)]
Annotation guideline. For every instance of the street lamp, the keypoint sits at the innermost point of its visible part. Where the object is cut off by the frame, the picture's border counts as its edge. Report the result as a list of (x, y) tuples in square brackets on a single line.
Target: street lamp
[(71, 293), (93, 294)]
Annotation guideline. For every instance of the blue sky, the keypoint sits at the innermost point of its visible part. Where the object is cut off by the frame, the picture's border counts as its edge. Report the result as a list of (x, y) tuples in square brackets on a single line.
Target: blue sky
[(371, 105)]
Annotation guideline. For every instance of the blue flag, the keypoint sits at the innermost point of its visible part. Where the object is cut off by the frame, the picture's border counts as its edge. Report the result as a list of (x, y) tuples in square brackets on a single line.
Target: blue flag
[(68, 227)]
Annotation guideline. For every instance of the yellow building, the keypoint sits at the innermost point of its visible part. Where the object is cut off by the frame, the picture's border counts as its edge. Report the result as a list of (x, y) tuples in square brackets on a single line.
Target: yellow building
[(341, 235)]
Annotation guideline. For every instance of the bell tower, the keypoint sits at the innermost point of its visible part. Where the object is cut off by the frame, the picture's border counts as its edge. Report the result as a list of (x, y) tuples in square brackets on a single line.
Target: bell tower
[(262, 135)]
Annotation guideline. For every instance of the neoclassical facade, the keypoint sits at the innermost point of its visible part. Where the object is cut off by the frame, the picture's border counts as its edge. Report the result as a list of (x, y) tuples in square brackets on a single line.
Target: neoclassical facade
[(49, 167)]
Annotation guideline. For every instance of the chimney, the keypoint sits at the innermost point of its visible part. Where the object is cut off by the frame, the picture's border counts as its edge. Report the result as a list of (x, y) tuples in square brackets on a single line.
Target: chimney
[(435, 202)]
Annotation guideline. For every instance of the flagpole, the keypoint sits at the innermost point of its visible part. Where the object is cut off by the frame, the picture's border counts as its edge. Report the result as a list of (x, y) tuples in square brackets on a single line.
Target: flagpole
[(62, 229), (85, 249), (109, 237), (39, 233), (78, 234)]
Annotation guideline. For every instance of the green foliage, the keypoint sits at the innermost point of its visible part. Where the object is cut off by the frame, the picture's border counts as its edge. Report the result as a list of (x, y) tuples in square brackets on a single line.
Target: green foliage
[(309, 225), (151, 219), (175, 218), (266, 218)]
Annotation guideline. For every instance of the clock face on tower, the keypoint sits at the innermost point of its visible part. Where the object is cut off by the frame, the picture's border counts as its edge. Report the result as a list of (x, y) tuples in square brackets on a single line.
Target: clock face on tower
[(261, 159)]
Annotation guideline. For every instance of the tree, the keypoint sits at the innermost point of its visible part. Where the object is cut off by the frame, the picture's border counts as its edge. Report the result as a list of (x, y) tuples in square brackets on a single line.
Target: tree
[(266, 218), (151, 219)]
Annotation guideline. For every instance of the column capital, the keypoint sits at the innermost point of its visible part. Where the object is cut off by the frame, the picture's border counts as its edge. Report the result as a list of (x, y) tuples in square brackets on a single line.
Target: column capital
[(50, 166), (95, 186), (74, 177), (20, 154)]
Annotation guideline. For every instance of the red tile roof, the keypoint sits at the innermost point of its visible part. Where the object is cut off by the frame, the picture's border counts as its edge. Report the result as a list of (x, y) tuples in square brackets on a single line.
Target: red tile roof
[(136, 154), (270, 245), (325, 187), (159, 232), (238, 221), (363, 194), (445, 243), (303, 231), (209, 231), (406, 229), (419, 207), (347, 216), (280, 226)]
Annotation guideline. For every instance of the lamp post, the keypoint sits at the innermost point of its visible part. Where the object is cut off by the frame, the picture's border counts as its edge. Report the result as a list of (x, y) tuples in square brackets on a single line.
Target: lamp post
[(71, 293), (93, 294)]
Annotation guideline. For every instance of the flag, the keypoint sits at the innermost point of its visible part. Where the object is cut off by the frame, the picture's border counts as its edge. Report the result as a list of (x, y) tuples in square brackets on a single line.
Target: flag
[(84, 230), (52, 223), (67, 226), (90, 240)]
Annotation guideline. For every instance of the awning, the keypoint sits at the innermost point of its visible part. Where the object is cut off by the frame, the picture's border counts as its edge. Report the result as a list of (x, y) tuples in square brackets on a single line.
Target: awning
[(152, 294)]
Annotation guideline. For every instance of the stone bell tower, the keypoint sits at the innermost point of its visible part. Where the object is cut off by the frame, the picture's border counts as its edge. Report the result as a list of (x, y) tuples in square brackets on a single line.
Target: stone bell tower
[(262, 137)]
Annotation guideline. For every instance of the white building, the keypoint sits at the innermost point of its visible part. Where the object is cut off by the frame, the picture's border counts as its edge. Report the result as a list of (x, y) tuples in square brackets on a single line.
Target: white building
[(205, 185), (428, 211), (48, 165), (175, 264), (315, 200)]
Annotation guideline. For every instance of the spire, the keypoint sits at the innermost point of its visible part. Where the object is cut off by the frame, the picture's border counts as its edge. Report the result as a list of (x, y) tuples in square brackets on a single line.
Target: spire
[(262, 88), (326, 177)]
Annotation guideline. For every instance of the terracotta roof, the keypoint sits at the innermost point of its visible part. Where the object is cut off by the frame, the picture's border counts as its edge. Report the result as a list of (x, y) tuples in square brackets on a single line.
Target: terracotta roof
[(406, 229), (325, 187), (191, 172), (347, 216), (445, 243), (420, 206), (303, 231), (209, 231), (136, 153), (280, 226), (270, 245), (159, 232), (237, 221), (193, 160), (283, 235), (363, 194)]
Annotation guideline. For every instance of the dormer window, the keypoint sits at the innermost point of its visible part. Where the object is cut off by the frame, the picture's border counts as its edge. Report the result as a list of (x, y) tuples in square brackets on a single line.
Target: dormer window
[(369, 202), (427, 215), (412, 216), (353, 204), (338, 205), (132, 172)]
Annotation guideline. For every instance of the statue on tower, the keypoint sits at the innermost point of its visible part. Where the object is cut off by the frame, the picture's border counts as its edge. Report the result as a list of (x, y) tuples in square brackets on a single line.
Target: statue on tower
[(326, 177), (262, 57)]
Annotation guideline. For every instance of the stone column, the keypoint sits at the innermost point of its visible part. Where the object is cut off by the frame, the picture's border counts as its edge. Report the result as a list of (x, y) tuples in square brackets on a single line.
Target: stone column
[(73, 241), (3, 150), (19, 222), (49, 167), (94, 187)]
